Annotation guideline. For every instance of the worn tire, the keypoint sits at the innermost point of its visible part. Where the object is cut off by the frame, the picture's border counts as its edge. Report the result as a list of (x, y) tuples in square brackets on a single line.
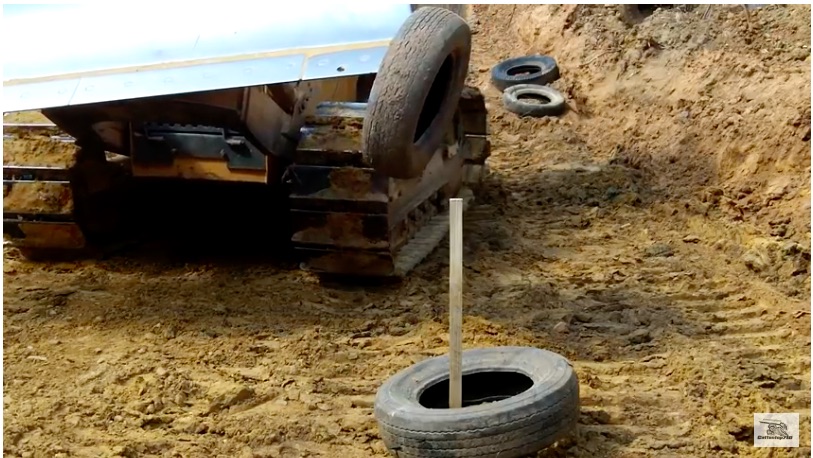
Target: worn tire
[(416, 92), (460, 9), (513, 427), (541, 70), (553, 107)]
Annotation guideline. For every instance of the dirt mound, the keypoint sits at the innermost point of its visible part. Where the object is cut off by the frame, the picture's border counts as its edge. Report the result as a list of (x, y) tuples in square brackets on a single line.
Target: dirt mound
[(710, 100), (657, 235)]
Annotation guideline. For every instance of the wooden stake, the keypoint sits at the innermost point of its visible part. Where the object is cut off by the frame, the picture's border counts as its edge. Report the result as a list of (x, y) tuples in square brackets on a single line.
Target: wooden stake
[(455, 303)]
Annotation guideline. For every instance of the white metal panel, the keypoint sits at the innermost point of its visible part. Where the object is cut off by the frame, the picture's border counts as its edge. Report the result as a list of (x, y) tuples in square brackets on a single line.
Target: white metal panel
[(95, 53)]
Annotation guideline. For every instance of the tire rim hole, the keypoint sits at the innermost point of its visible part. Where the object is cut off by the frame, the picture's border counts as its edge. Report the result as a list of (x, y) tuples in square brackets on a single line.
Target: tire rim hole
[(478, 388), (524, 70), (438, 93), (534, 99)]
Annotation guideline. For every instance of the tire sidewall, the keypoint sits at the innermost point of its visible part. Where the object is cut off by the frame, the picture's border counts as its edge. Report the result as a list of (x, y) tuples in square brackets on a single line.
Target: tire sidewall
[(397, 400), (555, 106), (455, 40), (451, 45), (548, 71)]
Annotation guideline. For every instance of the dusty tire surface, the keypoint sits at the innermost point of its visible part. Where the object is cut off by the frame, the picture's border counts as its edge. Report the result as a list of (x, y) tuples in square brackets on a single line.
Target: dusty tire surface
[(416, 91), (553, 105), (511, 427), (524, 70), (459, 9)]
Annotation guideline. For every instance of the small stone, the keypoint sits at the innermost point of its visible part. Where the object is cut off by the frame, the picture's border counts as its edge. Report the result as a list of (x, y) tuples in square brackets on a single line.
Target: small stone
[(186, 424), (581, 317), (560, 328), (141, 350), (691, 239), (776, 191), (362, 402), (118, 418), (160, 371), (790, 249), (398, 331), (225, 395), (754, 261), (98, 319), (638, 337), (259, 373), (72, 419), (659, 250), (54, 342), (98, 350)]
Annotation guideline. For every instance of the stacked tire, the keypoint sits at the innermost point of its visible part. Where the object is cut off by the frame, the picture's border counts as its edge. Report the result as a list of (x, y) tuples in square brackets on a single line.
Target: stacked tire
[(528, 77)]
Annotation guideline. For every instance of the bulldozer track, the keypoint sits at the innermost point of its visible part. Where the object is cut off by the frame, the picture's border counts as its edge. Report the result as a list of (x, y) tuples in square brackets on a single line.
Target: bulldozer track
[(346, 218), (349, 220), (14, 131)]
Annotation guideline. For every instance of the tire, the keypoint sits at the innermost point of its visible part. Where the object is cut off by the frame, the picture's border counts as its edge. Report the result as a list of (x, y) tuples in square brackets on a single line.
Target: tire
[(459, 9), (416, 92), (554, 106), (524, 70), (512, 427)]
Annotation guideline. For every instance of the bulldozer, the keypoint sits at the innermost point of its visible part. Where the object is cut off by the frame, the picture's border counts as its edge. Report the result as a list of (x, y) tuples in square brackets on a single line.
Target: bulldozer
[(358, 116)]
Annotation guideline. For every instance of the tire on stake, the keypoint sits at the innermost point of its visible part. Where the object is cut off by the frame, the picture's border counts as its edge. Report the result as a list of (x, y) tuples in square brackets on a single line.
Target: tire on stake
[(516, 401)]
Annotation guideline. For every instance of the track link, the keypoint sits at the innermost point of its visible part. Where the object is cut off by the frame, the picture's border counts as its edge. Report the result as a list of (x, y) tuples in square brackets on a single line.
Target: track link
[(66, 203), (349, 220)]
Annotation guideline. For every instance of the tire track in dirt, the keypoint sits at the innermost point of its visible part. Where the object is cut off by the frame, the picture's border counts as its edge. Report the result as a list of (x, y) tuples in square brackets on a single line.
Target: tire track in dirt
[(661, 328)]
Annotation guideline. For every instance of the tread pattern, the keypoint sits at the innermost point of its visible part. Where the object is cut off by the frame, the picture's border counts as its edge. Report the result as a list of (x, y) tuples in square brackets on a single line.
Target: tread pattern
[(526, 427)]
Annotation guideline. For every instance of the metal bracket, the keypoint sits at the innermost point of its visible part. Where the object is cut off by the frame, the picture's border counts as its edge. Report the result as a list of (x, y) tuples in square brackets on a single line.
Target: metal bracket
[(160, 143)]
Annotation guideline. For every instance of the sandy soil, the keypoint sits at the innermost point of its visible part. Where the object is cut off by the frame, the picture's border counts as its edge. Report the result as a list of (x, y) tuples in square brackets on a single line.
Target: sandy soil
[(658, 235)]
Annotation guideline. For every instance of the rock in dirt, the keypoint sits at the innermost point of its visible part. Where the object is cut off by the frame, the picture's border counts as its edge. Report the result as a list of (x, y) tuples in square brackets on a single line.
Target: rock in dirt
[(259, 373), (755, 261), (226, 394), (691, 239), (659, 250), (187, 424), (639, 336), (362, 402)]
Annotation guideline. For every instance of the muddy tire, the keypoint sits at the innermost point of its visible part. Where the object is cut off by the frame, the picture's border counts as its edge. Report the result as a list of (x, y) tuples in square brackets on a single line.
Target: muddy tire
[(516, 401), (524, 70), (551, 101), (460, 9), (416, 92)]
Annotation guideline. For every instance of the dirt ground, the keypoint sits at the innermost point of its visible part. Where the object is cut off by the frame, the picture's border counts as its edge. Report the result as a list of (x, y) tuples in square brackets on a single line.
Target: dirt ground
[(657, 235)]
